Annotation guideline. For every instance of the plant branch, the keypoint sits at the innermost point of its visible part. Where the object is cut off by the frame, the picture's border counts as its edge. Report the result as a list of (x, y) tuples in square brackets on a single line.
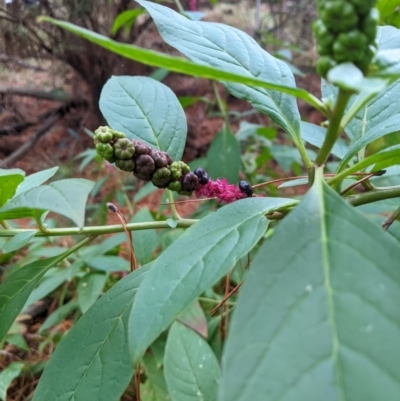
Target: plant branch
[(390, 220), (334, 127), (99, 230), (374, 196)]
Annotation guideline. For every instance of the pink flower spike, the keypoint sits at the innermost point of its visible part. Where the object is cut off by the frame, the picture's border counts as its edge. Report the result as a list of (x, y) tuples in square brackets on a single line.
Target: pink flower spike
[(193, 5), (221, 190)]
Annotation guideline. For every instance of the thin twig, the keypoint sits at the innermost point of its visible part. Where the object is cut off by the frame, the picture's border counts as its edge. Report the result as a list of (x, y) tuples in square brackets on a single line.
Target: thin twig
[(133, 261), (390, 220), (225, 299)]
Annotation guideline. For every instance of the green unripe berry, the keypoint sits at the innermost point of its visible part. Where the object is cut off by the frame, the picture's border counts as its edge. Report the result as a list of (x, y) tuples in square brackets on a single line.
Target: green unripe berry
[(124, 149), (178, 169), (369, 54), (175, 186), (105, 150), (350, 46), (161, 177), (126, 165), (339, 16), (362, 7), (324, 64), (103, 134), (324, 38), (118, 135), (369, 25)]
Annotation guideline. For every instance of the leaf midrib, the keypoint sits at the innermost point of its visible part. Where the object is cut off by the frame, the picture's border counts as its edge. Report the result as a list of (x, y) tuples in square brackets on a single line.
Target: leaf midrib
[(329, 289)]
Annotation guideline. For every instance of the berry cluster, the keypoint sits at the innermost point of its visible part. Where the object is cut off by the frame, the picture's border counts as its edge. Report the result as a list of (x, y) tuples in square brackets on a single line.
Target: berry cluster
[(345, 32), (153, 165)]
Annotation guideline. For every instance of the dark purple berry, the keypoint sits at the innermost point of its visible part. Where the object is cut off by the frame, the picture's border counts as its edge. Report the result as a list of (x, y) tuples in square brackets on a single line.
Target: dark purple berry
[(144, 165), (160, 158), (246, 188), (140, 148), (189, 182), (202, 175)]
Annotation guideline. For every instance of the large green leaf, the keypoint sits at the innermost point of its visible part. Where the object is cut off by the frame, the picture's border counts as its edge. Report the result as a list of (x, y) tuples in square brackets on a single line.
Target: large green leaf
[(193, 263), (66, 197), (232, 50), (178, 64), (16, 289), (145, 242), (92, 362), (392, 124), (223, 157), (145, 109), (36, 179), (89, 288), (318, 317), (191, 369), (9, 181)]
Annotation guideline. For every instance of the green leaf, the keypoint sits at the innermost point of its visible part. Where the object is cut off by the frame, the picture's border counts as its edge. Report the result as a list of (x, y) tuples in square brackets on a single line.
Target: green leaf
[(191, 368), (66, 197), (318, 317), (388, 64), (36, 179), (16, 288), (9, 181), (18, 340), (315, 135), (18, 241), (193, 316), (127, 19), (392, 124), (232, 50), (92, 362), (154, 388), (108, 263), (58, 316), (145, 109), (223, 157), (178, 64), (386, 157), (89, 289), (144, 242), (346, 76), (12, 371), (193, 263), (47, 285), (383, 105)]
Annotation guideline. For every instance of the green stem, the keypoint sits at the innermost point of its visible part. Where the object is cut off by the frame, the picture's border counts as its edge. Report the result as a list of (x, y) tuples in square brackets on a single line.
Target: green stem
[(304, 156), (172, 206), (99, 230), (221, 105), (374, 196), (4, 224), (179, 6), (334, 127)]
